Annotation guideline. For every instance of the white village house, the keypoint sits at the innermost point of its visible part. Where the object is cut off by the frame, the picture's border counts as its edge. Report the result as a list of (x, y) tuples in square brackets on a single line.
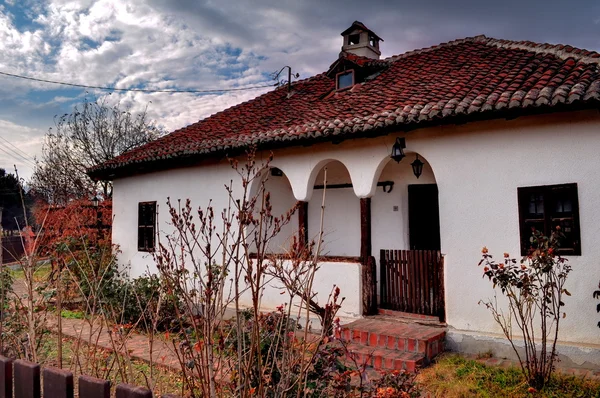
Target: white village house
[(508, 134)]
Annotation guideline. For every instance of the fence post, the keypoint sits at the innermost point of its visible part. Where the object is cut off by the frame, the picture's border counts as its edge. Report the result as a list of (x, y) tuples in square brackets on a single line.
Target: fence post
[(6, 377), (58, 383), (90, 387), (27, 379), (129, 391)]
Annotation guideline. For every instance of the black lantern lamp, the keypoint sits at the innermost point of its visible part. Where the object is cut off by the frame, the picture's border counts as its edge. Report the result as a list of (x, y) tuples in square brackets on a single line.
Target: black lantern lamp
[(397, 149), (95, 201), (417, 167)]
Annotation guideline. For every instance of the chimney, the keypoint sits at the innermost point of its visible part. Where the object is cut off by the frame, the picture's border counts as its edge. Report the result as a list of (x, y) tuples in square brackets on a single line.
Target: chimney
[(360, 40)]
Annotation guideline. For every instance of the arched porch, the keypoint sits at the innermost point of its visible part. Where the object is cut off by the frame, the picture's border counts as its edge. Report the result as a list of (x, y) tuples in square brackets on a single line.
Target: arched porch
[(373, 205)]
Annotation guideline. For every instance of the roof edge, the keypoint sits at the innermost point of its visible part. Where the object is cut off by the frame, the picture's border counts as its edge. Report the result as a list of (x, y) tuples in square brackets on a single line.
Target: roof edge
[(116, 171)]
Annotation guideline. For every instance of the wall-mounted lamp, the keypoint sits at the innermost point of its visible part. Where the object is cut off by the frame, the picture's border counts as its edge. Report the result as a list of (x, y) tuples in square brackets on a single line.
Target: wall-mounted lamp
[(417, 167), (387, 186), (95, 201), (397, 149)]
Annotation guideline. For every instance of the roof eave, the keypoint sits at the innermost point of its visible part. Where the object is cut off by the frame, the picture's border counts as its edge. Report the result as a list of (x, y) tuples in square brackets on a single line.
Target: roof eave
[(194, 159)]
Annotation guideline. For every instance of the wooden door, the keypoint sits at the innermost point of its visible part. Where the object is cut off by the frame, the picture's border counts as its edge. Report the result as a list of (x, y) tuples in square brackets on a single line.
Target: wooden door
[(423, 217)]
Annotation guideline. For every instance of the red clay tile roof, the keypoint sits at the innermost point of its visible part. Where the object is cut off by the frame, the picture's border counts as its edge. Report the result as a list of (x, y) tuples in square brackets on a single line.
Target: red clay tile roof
[(467, 79)]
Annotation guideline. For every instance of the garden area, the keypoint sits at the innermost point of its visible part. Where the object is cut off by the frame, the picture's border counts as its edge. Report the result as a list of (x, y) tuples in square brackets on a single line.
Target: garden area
[(70, 304)]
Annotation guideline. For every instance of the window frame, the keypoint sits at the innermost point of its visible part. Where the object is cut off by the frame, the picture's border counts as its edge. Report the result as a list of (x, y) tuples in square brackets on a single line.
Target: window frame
[(149, 240), (337, 80), (549, 193)]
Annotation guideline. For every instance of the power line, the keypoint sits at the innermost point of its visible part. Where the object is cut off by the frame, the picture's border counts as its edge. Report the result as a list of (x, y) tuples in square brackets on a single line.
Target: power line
[(144, 90), (16, 156), (19, 151)]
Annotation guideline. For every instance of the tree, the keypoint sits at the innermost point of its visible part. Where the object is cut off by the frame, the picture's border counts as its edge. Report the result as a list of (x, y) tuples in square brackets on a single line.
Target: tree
[(10, 200), (93, 133)]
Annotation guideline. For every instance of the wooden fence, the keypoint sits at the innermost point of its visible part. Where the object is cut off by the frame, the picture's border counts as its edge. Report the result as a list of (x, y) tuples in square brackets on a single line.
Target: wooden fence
[(412, 281), (12, 249), (23, 378)]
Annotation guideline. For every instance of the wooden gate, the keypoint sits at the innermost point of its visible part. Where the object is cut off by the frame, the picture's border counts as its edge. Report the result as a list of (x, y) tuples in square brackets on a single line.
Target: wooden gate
[(412, 281)]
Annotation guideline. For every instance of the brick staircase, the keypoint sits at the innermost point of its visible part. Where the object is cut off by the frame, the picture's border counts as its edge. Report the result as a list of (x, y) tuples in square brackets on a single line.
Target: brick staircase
[(394, 342)]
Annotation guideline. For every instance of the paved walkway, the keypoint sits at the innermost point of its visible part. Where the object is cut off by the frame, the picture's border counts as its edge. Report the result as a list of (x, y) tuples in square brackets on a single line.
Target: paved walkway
[(110, 338), (125, 341)]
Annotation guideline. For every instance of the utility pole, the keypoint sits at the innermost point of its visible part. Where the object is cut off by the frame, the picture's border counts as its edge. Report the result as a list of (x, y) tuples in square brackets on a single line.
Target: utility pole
[(1, 233), (3, 287), (290, 75)]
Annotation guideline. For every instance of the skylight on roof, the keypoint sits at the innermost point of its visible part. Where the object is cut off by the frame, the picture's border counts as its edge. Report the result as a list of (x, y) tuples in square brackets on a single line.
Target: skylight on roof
[(344, 80)]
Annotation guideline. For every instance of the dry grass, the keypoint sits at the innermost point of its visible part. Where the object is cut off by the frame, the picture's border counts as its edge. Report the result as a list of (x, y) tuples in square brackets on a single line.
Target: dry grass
[(453, 376)]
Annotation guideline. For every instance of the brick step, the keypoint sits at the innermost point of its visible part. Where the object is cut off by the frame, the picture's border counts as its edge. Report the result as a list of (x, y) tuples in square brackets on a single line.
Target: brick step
[(385, 359), (400, 336), (408, 315)]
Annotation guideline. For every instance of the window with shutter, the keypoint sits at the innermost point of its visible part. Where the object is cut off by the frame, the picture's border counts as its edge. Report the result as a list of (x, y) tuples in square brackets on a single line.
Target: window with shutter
[(146, 226), (548, 208)]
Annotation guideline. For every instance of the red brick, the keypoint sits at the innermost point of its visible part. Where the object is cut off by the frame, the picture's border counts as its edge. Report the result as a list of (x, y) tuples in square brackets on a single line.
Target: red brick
[(373, 337), (401, 344), (346, 334), (411, 345), (388, 362), (377, 361), (410, 366), (391, 342), (399, 364), (364, 338)]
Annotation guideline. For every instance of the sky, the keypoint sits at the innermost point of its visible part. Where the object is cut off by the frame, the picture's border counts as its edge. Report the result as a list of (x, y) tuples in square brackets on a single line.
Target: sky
[(223, 44)]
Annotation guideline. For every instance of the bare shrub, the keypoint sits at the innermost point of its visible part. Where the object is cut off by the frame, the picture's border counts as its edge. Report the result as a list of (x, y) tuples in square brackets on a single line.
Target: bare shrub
[(534, 288)]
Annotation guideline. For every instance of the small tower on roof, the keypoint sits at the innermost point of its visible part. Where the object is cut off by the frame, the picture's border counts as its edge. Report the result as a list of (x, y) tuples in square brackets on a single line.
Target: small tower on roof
[(360, 40)]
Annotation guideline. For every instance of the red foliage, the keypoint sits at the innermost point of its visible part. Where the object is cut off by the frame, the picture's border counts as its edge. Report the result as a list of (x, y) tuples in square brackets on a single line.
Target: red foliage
[(78, 221)]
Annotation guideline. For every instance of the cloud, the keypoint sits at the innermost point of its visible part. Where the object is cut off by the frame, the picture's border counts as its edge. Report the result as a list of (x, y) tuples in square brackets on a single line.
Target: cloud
[(19, 145)]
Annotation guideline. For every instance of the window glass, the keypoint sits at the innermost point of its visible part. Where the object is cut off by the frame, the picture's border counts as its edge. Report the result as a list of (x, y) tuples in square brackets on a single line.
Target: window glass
[(146, 226), (552, 210), (345, 80)]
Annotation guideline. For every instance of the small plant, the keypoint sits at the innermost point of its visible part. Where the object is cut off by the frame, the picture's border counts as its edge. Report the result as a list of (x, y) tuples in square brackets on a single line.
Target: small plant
[(68, 314), (396, 384), (534, 288)]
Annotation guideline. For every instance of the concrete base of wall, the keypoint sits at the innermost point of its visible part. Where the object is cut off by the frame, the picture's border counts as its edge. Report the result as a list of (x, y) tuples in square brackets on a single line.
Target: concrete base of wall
[(571, 355)]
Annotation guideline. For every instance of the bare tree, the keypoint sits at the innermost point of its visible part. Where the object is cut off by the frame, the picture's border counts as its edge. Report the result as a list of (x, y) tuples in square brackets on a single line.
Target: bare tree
[(93, 133)]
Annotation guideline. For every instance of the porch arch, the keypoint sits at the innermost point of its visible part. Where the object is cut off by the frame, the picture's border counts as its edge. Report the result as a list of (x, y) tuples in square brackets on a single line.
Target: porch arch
[(390, 210), (282, 200), (303, 172), (341, 218)]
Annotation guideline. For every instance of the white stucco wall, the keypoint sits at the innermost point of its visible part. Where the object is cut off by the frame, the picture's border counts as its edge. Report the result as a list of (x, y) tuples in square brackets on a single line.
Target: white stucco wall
[(329, 275), (478, 168), (341, 218), (389, 228), (282, 200)]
